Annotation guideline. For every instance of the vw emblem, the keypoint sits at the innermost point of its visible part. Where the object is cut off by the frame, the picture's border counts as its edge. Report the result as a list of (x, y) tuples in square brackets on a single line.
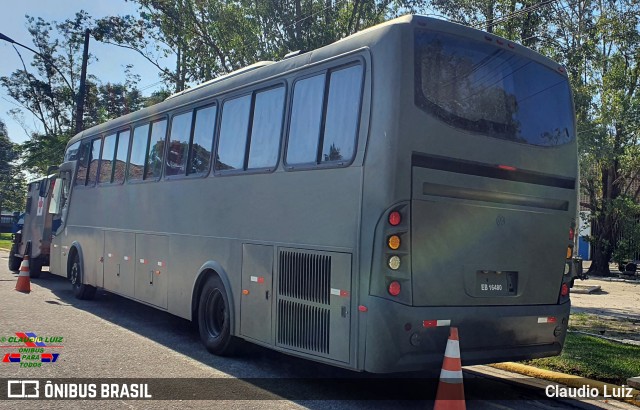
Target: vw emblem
[(500, 220)]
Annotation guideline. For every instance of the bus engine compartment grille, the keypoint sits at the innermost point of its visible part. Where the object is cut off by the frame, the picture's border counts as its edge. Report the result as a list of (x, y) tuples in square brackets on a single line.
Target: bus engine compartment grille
[(304, 289), (305, 276), (302, 326)]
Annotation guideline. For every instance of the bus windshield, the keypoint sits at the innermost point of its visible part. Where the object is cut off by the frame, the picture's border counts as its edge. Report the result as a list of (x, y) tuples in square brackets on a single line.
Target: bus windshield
[(484, 88)]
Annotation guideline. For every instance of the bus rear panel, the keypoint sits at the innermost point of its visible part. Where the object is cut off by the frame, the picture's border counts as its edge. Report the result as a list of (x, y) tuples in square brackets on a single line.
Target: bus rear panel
[(486, 181)]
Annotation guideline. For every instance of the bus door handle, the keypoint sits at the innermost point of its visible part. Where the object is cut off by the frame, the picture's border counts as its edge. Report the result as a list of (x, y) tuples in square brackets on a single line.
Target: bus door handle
[(118, 273), (150, 277), (266, 294)]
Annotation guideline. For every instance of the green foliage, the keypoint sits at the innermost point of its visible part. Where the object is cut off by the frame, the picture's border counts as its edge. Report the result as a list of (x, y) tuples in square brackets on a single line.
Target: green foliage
[(211, 38), (11, 181), (50, 95)]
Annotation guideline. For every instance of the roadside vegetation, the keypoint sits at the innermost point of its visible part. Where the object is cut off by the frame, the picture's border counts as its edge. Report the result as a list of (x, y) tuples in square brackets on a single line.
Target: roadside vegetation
[(5, 241), (594, 357)]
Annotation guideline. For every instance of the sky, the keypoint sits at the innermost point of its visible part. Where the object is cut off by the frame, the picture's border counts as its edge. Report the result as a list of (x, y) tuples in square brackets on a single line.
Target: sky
[(111, 59)]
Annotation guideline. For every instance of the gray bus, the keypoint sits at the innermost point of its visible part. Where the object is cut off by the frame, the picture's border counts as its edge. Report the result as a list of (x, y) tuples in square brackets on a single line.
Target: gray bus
[(346, 205)]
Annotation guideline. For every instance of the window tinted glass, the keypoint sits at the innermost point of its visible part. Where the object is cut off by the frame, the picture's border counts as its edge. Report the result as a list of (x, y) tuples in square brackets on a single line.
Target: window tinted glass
[(306, 115), (156, 149), (106, 159), (343, 107), (266, 129), (490, 90), (94, 161), (179, 144), (202, 140), (138, 151), (72, 152), (121, 156), (233, 133), (83, 162)]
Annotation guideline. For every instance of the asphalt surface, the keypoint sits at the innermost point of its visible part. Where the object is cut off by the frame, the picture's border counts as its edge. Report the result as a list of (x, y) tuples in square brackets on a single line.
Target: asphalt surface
[(113, 337)]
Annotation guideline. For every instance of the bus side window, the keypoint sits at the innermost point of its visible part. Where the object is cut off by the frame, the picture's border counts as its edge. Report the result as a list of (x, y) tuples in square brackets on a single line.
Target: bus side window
[(121, 157), (233, 133), (83, 163), (306, 116), (156, 150), (179, 144), (202, 144), (94, 159), (266, 129), (106, 159), (138, 152), (343, 109)]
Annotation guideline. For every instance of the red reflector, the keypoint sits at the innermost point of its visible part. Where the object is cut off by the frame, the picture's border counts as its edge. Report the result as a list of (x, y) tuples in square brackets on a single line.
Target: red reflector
[(362, 308), (564, 290), (571, 234), (429, 323), (507, 167), (551, 319), (395, 218), (260, 279), (344, 293), (394, 288)]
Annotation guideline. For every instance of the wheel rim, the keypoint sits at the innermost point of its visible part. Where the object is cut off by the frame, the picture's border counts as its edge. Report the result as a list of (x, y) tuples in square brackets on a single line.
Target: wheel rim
[(74, 274), (215, 313)]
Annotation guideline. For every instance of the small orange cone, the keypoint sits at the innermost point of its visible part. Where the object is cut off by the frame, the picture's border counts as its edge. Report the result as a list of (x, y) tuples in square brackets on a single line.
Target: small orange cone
[(450, 394), (24, 280)]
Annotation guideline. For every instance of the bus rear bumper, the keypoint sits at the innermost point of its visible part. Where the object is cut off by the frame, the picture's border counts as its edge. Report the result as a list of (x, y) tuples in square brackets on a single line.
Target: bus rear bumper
[(405, 338)]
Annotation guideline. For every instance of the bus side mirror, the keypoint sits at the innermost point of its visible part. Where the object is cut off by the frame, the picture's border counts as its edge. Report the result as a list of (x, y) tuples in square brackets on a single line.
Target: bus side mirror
[(55, 204)]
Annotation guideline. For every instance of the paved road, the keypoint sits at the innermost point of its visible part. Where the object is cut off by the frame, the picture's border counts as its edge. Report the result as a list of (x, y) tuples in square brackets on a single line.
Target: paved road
[(112, 337)]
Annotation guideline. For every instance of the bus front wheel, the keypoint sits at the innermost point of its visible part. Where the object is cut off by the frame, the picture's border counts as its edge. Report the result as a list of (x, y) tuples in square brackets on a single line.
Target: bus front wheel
[(214, 318), (80, 290)]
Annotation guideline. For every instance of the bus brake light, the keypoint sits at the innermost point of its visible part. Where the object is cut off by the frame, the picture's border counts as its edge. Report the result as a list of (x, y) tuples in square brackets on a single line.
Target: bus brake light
[(394, 288), (507, 167), (564, 289), (395, 218)]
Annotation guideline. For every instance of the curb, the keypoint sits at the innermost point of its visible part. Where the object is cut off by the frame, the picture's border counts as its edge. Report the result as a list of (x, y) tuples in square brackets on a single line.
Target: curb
[(565, 379)]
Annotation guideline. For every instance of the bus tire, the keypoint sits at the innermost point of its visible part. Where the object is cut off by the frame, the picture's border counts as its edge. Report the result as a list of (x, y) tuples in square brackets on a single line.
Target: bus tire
[(80, 290), (35, 268), (214, 318), (14, 261)]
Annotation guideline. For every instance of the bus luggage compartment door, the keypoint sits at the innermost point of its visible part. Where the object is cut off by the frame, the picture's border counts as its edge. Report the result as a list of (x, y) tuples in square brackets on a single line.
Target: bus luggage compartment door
[(151, 273), (257, 292), (119, 265)]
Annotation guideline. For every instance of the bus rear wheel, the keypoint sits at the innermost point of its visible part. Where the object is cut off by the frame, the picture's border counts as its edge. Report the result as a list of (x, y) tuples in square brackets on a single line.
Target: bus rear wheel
[(80, 290), (214, 318), (14, 261)]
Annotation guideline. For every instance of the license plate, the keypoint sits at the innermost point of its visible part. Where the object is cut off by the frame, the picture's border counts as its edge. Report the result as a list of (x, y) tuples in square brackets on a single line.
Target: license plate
[(496, 283)]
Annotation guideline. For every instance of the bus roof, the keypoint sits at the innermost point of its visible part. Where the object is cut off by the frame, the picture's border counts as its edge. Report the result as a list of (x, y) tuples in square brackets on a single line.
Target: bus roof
[(265, 70)]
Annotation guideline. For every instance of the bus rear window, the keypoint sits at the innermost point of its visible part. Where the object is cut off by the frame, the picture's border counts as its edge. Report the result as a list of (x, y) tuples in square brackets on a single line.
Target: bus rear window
[(483, 88)]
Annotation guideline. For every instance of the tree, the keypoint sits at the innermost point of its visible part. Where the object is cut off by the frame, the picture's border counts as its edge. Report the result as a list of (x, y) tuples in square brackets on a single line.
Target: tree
[(50, 97), (214, 37), (11, 181)]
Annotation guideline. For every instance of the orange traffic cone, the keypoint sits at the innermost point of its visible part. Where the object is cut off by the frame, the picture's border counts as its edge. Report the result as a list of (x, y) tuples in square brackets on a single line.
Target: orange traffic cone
[(24, 280), (450, 394)]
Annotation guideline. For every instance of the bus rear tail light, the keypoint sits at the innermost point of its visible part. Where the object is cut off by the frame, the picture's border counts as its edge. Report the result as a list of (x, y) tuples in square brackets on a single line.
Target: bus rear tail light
[(395, 218), (564, 290), (394, 288), (571, 234)]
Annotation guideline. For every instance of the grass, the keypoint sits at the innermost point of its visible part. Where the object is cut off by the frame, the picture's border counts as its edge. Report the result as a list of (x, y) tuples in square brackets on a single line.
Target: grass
[(5, 241), (616, 327), (594, 358)]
